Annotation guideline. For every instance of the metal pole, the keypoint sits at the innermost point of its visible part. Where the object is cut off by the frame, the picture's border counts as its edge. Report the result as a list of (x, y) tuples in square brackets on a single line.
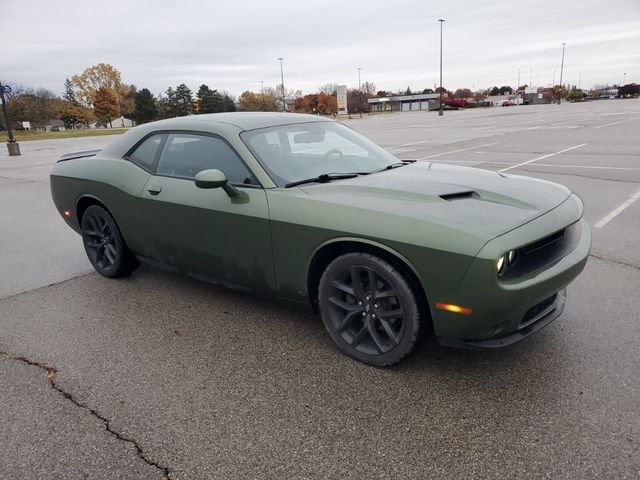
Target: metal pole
[(262, 93), (12, 145), (284, 105), (359, 93), (561, 69), (440, 112), (624, 79), (579, 80)]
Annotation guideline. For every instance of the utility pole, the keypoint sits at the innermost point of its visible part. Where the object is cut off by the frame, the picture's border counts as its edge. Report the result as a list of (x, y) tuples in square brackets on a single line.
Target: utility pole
[(359, 93), (284, 105), (561, 69), (12, 145), (440, 112)]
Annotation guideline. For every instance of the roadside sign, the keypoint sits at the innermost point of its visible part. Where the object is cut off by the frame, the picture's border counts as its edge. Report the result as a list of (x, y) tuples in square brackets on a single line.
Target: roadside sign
[(6, 89)]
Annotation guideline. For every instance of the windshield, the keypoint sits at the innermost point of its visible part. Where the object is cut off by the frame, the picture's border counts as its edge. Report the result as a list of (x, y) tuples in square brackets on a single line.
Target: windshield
[(290, 153)]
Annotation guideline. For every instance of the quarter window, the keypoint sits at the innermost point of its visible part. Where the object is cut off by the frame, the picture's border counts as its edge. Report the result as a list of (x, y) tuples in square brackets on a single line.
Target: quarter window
[(184, 155), (146, 152)]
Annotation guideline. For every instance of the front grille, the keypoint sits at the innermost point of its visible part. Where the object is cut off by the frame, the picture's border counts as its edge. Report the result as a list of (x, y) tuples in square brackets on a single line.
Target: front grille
[(538, 311), (544, 252)]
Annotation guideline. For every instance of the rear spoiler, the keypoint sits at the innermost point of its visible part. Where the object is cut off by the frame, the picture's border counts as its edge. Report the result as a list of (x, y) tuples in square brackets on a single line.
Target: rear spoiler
[(73, 156)]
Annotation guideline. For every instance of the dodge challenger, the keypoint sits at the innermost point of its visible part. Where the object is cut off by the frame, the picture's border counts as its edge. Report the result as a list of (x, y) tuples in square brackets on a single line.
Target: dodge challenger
[(303, 208)]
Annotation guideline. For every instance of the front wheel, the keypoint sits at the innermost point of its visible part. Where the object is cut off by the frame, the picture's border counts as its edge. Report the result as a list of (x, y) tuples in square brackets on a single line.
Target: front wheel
[(104, 245), (369, 309)]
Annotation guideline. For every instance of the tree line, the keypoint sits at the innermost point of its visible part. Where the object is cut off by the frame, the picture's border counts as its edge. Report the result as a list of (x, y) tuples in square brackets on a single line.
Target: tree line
[(98, 95)]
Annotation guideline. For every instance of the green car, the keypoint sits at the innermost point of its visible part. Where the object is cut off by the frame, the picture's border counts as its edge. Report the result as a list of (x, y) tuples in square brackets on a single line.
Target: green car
[(303, 208)]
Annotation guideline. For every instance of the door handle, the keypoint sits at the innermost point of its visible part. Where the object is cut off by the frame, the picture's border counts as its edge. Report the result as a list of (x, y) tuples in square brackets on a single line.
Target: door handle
[(154, 189)]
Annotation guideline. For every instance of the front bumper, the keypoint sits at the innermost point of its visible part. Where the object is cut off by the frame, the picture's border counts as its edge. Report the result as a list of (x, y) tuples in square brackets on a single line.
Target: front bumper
[(541, 320), (501, 310)]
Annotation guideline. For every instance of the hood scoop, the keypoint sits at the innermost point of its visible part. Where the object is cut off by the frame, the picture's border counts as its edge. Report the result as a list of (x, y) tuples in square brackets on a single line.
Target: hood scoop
[(450, 197)]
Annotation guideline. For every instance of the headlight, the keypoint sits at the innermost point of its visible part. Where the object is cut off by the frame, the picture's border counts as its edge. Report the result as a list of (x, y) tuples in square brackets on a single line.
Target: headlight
[(506, 261)]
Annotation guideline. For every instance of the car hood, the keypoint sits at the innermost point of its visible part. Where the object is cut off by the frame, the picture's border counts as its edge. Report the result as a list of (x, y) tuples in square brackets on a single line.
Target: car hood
[(461, 197)]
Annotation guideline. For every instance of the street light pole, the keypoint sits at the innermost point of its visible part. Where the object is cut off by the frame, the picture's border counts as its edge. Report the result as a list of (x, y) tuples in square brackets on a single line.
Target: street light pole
[(440, 112), (284, 105), (12, 145), (359, 93), (561, 69)]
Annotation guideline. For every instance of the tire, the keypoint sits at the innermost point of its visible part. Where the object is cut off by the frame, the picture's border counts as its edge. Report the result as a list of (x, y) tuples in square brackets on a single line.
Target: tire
[(369, 309), (104, 244)]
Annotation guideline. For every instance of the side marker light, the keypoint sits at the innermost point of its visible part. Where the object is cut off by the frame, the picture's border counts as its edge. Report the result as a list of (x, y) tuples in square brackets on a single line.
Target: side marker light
[(67, 213), (454, 308)]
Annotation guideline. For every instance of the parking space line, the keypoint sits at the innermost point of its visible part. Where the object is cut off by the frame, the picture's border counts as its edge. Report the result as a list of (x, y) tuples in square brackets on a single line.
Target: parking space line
[(618, 210), (456, 151), (614, 123), (543, 157), (550, 165)]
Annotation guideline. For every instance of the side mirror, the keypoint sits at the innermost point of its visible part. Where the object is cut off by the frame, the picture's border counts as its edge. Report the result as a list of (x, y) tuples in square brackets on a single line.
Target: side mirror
[(215, 179)]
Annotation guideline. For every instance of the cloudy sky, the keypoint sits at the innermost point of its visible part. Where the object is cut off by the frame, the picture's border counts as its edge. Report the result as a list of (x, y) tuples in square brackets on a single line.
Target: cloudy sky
[(232, 46)]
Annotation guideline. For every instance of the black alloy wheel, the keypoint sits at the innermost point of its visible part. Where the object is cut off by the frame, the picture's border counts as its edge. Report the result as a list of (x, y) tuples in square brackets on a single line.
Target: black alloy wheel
[(104, 245), (369, 309)]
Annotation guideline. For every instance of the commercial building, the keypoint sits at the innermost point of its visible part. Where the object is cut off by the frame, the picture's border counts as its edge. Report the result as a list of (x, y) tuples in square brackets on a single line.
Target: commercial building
[(404, 103)]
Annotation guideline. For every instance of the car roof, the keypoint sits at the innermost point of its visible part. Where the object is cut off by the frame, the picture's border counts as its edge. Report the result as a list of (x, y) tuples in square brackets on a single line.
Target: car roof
[(251, 120)]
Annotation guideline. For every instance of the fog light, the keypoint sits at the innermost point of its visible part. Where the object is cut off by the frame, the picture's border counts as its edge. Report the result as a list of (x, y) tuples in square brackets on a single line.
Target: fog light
[(511, 257), (454, 308), (500, 264)]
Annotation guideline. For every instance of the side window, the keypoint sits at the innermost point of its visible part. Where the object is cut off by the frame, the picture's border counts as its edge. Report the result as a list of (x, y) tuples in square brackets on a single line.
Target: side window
[(146, 152), (184, 155)]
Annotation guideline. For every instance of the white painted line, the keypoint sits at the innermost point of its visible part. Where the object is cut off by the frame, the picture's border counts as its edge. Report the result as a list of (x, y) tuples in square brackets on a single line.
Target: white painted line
[(614, 123), (618, 210), (410, 144), (542, 157), (456, 151), (550, 165)]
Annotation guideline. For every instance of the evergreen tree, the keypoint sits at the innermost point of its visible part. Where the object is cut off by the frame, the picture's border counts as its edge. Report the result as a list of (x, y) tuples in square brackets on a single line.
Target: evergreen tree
[(209, 101), (69, 94), (145, 109), (179, 101), (228, 105)]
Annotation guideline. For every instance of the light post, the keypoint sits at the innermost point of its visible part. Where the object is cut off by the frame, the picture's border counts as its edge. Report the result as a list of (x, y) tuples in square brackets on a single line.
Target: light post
[(440, 112), (561, 69), (284, 105), (359, 93), (12, 145), (262, 93)]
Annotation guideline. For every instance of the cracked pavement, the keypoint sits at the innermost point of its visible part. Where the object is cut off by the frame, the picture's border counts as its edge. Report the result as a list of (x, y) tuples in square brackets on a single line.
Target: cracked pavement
[(160, 376)]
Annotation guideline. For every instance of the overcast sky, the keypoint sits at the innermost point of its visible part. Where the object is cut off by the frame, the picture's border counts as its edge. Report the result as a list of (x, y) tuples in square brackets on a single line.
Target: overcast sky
[(232, 46)]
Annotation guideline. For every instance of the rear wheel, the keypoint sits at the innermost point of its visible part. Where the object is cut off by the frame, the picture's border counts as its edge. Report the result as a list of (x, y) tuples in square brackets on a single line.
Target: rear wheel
[(369, 309), (104, 245)]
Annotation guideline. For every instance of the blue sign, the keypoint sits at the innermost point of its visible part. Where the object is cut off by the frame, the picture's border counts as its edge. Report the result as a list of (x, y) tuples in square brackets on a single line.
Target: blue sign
[(6, 89)]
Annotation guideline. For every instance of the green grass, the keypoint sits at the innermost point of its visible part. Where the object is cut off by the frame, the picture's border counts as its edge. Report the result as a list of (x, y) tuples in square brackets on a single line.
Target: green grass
[(22, 136)]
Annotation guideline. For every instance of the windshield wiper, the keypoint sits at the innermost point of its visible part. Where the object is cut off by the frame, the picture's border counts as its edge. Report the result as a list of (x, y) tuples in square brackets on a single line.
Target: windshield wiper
[(393, 165), (324, 178)]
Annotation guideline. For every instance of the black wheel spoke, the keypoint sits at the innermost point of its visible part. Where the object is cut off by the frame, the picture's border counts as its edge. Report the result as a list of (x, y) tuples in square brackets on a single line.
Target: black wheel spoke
[(398, 312), (343, 287), (94, 226), (373, 284), (93, 243), (360, 336), (356, 281), (385, 294), (344, 306), (348, 318), (375, 337), (110, 253), (389, 330)]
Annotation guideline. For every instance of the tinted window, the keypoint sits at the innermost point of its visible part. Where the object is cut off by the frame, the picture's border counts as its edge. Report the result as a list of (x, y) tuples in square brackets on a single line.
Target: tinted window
[(145, 154), (184, 155)]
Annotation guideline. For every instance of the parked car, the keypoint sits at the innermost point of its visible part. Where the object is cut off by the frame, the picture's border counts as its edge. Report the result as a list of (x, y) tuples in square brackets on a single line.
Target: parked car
[(304, 208)]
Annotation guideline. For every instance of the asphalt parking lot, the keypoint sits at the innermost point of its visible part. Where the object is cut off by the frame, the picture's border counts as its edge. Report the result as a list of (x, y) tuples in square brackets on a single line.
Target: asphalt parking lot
[(159, 376)]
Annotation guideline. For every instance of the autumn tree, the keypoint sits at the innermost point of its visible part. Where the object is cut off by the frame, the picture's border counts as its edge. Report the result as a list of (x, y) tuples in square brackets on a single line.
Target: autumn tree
[(100, 76), (369, 89), (31, 105), (320, 103), (266, 101), (105, 104), (145, 109), (463, 93)]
